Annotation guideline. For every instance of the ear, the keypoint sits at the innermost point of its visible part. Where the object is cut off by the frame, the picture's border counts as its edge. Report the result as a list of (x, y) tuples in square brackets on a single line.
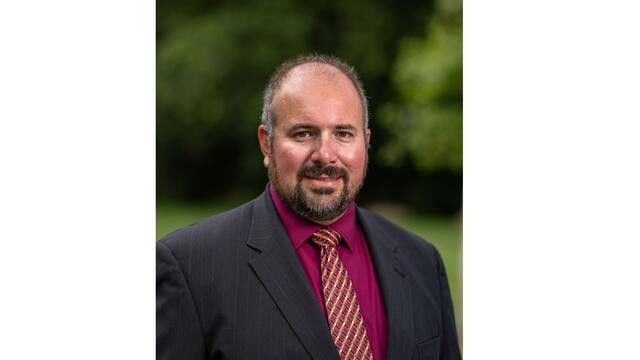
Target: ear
[(263, 139), (368, 137)]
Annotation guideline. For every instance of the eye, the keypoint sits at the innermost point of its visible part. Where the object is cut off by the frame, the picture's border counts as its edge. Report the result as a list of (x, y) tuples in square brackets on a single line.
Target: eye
[(302, 134), (344, 134)]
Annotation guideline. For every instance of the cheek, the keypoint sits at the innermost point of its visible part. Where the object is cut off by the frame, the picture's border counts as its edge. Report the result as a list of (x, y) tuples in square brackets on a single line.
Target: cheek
[(353, 159), (290, 158)]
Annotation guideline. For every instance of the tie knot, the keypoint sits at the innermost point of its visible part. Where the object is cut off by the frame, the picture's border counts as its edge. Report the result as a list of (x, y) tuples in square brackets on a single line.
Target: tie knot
[(326, 237)]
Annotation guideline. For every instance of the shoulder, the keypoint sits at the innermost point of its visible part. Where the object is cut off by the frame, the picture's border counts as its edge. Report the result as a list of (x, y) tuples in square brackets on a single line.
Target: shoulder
[(405, 237), (219, 231), (410, 246)]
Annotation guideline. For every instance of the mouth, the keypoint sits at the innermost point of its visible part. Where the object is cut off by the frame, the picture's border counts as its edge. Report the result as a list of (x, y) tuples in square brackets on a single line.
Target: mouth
[(324, 180)]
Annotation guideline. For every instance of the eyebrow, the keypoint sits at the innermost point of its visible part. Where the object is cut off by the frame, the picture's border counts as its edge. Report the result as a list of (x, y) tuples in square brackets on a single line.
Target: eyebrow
[(301, 126), (310, 126), (346, 127)]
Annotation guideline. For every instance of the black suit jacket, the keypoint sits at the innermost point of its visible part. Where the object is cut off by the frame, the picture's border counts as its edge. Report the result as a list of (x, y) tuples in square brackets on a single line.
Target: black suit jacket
[(232, 287)]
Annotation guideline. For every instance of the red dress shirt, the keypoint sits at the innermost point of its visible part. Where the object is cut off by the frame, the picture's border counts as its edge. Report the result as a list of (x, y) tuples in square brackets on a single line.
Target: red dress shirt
[(353, 253)]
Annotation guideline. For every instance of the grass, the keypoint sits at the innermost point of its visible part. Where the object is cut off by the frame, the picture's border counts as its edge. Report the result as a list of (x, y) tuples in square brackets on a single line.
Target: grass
[(172, 216), (443, 232)]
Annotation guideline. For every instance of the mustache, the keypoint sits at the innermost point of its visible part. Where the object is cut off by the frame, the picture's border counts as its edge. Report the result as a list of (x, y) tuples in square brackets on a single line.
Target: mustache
[(317, 170)]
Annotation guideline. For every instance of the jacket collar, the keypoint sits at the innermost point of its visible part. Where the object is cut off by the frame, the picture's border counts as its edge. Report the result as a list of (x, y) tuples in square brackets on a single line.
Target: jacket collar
[(280, 272), (394, 284)]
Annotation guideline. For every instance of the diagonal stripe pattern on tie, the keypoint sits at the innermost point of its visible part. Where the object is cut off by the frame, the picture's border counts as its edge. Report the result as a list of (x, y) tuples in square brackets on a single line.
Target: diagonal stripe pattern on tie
[(343, 310)]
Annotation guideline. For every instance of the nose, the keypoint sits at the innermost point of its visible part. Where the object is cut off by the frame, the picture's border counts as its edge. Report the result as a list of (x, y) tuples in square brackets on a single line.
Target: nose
[(324, 151)]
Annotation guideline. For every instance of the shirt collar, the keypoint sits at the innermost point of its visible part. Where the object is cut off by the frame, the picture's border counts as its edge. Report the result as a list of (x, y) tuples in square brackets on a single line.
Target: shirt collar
[(301, 229)]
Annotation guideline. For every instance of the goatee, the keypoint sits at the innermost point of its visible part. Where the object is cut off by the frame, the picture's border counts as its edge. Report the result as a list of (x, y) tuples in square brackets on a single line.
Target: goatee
[(303, 203)]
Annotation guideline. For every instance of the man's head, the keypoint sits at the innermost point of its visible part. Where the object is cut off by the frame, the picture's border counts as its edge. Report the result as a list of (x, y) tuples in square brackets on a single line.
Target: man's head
[(314, 136)]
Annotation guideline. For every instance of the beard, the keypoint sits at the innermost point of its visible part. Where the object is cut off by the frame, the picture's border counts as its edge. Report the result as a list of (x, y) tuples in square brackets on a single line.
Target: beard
[(317, 203)]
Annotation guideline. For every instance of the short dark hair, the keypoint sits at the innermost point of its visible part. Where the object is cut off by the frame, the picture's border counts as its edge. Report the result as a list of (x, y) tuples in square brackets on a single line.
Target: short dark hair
[(267, 118)]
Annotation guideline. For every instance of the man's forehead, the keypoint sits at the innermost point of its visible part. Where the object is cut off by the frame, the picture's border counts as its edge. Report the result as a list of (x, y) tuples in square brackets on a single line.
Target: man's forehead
[(300, 107)]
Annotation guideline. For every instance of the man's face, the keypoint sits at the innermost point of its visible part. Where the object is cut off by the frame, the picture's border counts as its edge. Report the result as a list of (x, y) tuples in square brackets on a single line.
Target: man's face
[(318, 158)]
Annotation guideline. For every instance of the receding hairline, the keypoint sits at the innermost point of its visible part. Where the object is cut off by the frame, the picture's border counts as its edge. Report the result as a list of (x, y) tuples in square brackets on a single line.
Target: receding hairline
[(311, 71), (313, 68)]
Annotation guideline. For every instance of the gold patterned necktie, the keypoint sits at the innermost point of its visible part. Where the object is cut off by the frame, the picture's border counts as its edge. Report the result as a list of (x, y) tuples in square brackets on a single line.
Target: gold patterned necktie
[(343, 310)]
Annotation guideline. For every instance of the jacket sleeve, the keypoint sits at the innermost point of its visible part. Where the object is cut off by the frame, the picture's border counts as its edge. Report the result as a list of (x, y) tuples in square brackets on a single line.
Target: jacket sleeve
[(178, 328), (449, 343)]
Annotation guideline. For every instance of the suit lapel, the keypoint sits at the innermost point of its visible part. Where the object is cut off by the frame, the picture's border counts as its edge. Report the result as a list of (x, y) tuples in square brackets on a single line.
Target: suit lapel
[(394, 284), (278, 268)]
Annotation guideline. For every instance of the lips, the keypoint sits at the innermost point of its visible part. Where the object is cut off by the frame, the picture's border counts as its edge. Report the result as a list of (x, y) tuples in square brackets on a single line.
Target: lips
[(324, 178), (324, 182)]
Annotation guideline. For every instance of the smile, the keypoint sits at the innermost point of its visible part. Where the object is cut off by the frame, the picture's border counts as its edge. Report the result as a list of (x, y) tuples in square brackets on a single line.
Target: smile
[(323, 180)]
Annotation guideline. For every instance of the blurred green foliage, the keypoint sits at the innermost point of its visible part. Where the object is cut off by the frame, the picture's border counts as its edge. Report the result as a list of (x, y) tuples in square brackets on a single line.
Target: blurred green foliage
[(425, 120), (214, 58)]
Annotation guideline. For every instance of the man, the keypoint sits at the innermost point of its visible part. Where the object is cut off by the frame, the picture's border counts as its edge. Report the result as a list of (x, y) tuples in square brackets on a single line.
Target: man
[(301, 272)]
